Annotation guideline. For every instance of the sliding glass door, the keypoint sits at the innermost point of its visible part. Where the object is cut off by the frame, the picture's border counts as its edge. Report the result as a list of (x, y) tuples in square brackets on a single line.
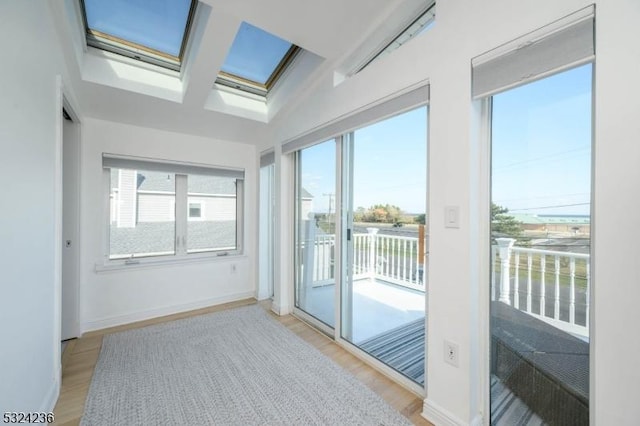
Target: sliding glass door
[(315, 242), (360, 246), (384, 194)]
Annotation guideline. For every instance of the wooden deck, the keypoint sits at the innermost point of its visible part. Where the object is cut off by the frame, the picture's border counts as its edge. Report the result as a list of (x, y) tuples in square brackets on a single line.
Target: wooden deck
[(402, 348), (546, 368)]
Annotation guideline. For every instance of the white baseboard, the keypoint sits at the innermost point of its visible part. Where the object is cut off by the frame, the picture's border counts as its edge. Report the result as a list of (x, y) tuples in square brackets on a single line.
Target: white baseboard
[(262, 295), (280, 310), (51, 398), (160, 312), (439, 416), (275, 308)]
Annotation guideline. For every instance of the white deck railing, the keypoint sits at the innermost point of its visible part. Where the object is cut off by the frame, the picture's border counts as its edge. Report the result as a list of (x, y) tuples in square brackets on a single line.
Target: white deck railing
[(553, 286), (531, 279), (394, 259)]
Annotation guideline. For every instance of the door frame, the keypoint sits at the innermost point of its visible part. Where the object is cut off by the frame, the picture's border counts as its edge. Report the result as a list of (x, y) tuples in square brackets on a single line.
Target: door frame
[(64, 101)]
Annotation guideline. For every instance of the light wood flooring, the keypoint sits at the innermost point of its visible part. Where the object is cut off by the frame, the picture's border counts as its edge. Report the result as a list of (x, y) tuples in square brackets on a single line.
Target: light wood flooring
[(80, 357)]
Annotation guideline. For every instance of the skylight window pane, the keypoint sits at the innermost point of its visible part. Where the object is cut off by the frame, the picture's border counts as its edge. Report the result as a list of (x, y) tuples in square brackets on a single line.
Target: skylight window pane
[(255, 54), (158, 25)]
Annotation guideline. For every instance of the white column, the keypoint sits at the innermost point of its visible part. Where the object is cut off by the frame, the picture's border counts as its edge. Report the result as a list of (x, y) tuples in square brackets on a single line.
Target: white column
[(504, 245)]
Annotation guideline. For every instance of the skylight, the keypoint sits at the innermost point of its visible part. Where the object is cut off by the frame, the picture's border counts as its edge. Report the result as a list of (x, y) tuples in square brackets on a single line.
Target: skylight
[(256, 60), (148, 30)]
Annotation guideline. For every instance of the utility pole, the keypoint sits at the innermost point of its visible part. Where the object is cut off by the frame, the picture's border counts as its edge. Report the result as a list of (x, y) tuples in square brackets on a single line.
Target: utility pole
[(330, 195)]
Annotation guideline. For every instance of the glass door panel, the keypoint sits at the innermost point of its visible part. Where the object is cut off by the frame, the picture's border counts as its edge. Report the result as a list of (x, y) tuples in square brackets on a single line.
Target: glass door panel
[(315, 231), (384, 203), (540, 226)]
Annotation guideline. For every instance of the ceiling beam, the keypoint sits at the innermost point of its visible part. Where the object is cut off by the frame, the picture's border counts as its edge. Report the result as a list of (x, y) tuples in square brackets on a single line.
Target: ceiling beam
[(211, 38)]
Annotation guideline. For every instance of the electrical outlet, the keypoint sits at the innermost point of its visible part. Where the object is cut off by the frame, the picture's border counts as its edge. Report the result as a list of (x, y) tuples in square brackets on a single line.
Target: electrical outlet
[(233, 268), (451, 353)]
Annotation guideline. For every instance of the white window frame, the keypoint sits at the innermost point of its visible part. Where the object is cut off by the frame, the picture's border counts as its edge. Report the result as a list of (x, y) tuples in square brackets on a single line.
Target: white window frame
[(180, 217)]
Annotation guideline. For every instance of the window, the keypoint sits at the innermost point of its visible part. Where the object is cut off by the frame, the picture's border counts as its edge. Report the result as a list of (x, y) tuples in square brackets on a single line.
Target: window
[(171, 209), (540, 282), (416, 27), (256, 60), (536, 93), (212, 212), (195, 210), (147, 30), (140, 220)]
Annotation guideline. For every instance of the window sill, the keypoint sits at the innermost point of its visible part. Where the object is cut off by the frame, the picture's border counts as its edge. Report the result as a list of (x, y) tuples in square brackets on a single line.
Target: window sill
[(146, 263)]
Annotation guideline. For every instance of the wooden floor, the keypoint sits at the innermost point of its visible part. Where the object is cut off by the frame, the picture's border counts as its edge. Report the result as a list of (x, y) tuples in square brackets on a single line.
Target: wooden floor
[(80, 357)]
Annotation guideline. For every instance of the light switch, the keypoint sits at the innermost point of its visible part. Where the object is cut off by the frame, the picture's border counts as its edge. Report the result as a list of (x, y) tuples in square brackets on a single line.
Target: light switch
[(452, 217)]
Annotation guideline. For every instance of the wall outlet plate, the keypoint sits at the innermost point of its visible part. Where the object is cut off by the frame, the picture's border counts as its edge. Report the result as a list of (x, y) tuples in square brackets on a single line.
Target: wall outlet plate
[(451, 352)]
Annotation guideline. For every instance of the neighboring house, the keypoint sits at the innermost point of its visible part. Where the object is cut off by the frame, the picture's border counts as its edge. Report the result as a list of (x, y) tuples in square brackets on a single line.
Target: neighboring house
[(142, 213), (142, 196), (307, 204)]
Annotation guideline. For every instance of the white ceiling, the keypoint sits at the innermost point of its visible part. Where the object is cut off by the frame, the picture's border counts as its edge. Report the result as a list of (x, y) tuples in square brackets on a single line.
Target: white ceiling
[(129, 93)]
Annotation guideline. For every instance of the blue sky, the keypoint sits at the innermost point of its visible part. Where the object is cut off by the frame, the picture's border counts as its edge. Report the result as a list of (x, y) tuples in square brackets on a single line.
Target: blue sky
[(389, 165), (255, 54), (158, 24), (541, 153), (541, 145)]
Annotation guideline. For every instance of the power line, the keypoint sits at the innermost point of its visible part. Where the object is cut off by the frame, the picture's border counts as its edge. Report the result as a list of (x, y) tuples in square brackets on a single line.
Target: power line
[(539, 198), (551, 207), (545, 157)]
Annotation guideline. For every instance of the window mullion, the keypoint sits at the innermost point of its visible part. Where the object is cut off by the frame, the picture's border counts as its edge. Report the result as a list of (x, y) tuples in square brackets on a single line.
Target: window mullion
[(181, 214)]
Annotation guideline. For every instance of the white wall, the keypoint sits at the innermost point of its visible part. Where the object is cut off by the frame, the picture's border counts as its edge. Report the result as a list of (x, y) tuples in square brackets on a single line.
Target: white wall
[(29, 222), (617, 175), (134, 293), (457, 270)]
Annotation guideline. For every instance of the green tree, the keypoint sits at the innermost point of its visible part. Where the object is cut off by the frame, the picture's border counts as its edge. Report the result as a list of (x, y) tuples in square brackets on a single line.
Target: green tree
[(420, 219), (503, 224), (381, 213)]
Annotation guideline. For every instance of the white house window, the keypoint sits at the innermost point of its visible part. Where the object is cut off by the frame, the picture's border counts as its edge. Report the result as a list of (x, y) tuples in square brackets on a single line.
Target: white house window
[(195, 210), (213, 213), (170, 210)]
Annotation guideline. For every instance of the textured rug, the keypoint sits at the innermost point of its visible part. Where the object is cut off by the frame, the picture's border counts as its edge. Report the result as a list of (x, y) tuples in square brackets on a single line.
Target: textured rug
[(235, 367)]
